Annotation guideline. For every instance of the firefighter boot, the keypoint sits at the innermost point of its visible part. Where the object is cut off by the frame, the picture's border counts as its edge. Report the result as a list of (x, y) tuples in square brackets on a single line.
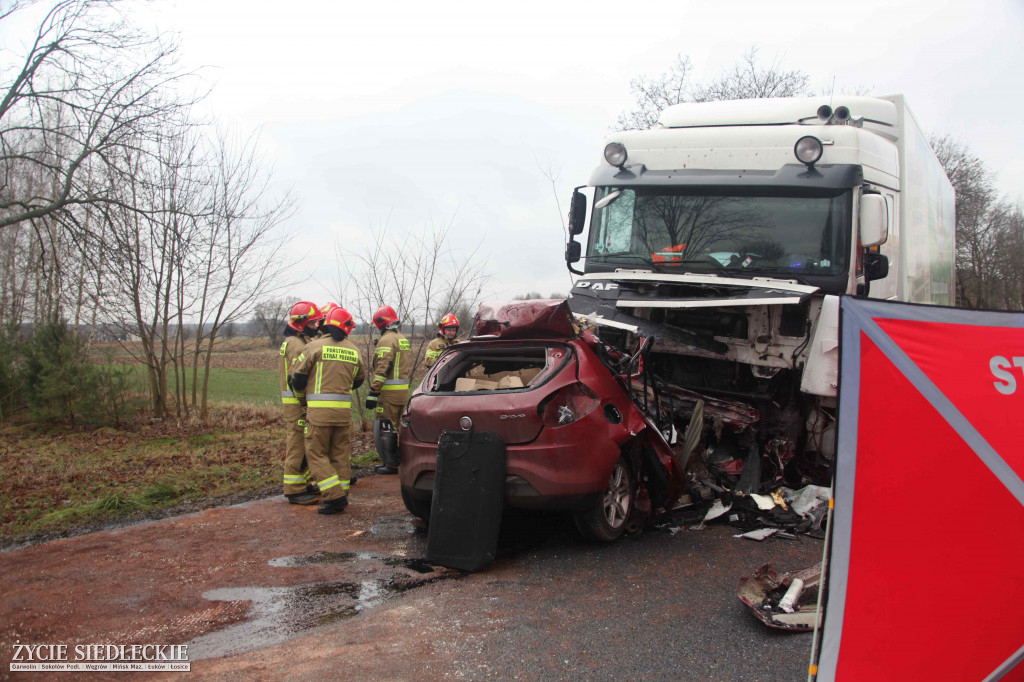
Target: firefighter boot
[(333, 506), (302, 498)]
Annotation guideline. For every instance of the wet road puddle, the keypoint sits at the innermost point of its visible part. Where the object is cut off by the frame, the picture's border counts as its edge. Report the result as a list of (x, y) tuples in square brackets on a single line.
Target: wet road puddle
[(278, 614)]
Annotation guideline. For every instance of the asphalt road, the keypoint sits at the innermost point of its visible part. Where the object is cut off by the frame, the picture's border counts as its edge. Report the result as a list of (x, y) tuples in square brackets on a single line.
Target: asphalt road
[(269, 591)]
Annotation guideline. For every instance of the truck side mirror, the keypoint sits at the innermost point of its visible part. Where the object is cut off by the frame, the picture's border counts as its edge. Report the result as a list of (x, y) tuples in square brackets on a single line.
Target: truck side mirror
[(876, 266), (577, 213), (874, 220), (572, 251)]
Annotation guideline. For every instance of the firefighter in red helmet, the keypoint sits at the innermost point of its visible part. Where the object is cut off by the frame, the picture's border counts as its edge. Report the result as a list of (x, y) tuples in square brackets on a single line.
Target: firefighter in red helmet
[(392, 368), (325, 376), (447, 330), (303, 319)]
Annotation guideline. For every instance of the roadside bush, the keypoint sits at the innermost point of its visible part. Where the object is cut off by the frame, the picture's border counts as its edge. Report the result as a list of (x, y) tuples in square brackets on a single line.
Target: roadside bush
[(57, 382)]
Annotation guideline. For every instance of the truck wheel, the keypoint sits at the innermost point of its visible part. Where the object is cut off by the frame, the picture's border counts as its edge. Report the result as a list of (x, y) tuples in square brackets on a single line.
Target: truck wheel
[(606, 519), (418, 508)]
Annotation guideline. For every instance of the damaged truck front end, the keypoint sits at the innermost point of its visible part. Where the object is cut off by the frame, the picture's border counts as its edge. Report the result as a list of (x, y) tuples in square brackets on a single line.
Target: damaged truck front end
[(727, 233), (759, 356)]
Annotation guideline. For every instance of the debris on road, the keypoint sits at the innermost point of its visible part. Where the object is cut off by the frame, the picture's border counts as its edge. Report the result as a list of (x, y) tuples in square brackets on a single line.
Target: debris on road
[(785, 602), (759, 534)]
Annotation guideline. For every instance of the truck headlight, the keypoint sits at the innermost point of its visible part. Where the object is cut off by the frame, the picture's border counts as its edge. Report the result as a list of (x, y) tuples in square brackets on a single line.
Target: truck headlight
[(807, 149), (615, 154)]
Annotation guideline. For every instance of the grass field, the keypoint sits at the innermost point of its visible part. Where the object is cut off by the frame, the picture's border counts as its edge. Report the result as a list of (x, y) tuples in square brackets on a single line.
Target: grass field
[(58, 479), (227, 385)]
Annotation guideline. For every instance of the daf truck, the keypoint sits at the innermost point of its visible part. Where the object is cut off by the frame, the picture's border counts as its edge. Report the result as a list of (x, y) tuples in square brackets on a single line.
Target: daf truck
[(720, 241)]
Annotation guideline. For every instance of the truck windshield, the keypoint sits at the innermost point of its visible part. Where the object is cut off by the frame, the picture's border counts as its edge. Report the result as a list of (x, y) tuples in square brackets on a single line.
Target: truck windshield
[(708, 229)]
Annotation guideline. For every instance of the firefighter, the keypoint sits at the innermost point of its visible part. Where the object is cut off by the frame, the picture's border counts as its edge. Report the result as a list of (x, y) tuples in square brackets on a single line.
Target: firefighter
[(392, 368), (324, 377), (303, 319), (447, 330)]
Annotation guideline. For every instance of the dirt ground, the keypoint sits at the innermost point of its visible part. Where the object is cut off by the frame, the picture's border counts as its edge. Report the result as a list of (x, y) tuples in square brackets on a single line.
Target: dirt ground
[(267, 590)]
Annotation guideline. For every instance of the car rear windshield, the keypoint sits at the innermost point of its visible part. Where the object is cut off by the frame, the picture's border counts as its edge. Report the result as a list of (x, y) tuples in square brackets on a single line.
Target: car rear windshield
[(495, 369)]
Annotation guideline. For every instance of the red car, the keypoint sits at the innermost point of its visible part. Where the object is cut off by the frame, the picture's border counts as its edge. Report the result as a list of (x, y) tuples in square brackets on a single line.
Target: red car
[(576, 438)]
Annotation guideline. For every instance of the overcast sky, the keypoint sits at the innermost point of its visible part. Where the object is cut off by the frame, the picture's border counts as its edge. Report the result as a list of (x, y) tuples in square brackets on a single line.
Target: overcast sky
[(417, 113)]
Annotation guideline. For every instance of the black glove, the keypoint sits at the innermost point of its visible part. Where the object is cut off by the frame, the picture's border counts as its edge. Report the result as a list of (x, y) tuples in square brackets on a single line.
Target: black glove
[(298, 382), (371, 401)]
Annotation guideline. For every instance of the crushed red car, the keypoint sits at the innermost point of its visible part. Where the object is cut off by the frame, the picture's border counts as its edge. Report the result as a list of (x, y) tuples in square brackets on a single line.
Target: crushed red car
[(578, 434)]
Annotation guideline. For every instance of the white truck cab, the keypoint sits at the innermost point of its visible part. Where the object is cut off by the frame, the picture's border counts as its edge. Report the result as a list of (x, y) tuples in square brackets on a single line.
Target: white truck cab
[(729, 230)]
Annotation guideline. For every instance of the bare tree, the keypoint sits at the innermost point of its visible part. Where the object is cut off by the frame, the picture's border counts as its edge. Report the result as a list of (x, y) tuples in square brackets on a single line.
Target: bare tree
[(87, 84), (196, 238), (747, 79), (419, 273), (242, 258), (988, 231), (269, 318)]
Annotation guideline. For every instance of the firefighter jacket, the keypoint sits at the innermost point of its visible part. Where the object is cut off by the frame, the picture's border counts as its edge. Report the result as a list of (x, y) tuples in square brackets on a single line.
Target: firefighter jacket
[(392, 367), (290, 349), (331, 367), (436, 347)]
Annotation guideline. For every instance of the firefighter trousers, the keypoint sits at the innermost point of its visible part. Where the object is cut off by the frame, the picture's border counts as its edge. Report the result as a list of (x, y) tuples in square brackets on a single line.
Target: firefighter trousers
[(329, 452), (296, 475)]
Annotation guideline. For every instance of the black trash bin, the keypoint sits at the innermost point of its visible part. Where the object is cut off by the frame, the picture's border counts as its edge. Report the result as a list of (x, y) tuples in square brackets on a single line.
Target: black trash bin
[(469, 493)]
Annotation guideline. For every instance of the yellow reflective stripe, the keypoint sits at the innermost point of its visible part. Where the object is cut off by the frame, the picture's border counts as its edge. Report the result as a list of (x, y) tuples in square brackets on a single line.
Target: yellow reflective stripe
[(290, 478), (379, 377), (346, 484), (397, 387), (283, 347), (289, 401), (329, 483), (329, 403), (319, 376), (433, 353), (382, 351)]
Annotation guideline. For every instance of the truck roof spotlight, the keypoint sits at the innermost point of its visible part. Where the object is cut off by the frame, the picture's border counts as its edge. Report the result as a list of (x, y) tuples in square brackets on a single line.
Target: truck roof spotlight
[(807, 150), (615, 154)]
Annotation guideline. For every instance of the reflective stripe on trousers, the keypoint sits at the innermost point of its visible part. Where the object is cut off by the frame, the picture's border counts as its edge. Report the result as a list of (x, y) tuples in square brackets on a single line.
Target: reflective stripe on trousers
[(396, 385), (288, 398), (329, 483)]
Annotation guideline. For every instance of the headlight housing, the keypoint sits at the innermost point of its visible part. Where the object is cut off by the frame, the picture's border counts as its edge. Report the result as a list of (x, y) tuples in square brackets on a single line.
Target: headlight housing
[(808, 150), (615, 154)]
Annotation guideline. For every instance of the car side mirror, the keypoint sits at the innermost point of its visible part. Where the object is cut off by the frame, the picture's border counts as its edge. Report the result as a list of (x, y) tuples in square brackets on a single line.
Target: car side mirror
[(876, 266), (577, 213), (874, 220)]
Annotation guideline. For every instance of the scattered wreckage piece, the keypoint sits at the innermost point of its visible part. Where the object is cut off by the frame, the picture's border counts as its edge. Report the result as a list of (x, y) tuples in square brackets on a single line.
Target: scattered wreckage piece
[(784, 602), (795, 511)]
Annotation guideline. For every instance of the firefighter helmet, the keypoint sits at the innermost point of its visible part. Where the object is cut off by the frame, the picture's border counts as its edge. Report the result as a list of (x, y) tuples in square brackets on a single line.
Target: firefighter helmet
[(328, 307), (448, 320), (302, 313), (340, 318), (384, 317)]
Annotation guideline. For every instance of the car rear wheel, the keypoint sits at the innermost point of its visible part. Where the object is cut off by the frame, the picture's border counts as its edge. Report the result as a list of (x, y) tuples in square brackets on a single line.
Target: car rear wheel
[(606, 519), (416, 507)]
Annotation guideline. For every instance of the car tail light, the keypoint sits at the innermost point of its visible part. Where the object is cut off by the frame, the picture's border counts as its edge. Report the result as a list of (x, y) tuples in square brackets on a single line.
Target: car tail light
[(567, 405)]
